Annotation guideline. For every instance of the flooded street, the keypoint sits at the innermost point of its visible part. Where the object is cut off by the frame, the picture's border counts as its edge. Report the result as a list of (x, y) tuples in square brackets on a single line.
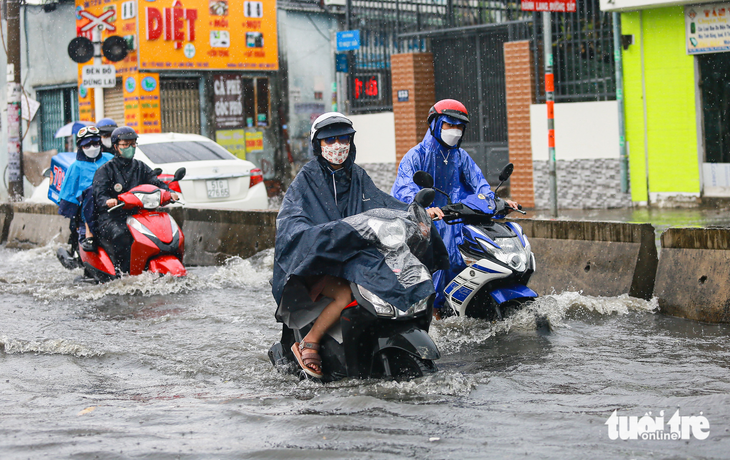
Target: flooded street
[(166, 368)]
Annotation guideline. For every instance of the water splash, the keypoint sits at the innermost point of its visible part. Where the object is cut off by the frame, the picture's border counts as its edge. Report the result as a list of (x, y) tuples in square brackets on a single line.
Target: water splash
[(48, 346)]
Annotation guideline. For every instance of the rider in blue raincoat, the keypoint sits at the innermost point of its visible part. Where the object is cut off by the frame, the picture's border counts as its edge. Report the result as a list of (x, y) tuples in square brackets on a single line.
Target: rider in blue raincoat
[(454, 172), (75, 197)]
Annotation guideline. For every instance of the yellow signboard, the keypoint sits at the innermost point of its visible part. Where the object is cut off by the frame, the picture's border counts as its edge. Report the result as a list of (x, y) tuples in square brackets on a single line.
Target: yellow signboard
[(254, 141), (208, 35), (188, 34), (142, 102), (233, 141)]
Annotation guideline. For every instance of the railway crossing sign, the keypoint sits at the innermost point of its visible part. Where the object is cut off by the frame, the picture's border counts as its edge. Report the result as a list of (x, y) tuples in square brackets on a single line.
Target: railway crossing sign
[(100, 20)]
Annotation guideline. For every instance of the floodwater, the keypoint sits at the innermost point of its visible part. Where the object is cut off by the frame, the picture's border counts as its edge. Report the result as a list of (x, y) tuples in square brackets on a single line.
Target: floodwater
[(164, 368)]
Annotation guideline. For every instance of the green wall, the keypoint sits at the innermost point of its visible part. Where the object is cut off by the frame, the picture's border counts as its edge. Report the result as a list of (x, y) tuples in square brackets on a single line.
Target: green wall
[(671, 117)]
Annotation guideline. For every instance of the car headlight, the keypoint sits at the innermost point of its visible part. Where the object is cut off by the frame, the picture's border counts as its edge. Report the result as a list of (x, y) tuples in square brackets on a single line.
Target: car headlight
[(391, 233), (137, 225), (149, 200), (510, 252)]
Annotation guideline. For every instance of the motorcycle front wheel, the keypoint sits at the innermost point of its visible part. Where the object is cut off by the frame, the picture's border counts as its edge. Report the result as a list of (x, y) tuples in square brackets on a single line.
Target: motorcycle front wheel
[(399, 365)]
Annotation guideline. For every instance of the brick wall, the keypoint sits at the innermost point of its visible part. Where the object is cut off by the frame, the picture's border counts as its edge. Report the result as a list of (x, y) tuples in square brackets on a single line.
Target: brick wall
[(412, 72), (519, 76)]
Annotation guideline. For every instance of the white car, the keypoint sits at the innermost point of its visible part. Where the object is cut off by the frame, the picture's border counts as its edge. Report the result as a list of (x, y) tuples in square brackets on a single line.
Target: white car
[(214, 179)]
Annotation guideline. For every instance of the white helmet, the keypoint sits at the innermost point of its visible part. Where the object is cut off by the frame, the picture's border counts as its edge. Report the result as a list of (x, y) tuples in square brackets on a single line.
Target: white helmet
[(330, 124)]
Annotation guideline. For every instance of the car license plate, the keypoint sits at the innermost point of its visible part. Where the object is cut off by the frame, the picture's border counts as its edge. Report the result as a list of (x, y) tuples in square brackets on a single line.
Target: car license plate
[(217, 188)]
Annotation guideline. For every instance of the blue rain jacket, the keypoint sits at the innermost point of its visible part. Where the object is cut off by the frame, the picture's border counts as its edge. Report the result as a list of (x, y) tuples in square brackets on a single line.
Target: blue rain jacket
[(78, 178), (312, 238), (459, 177)]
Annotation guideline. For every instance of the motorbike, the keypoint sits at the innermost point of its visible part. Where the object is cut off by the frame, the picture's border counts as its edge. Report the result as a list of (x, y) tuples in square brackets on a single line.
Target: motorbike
[(158, 242), (373, 338), (497, 254)]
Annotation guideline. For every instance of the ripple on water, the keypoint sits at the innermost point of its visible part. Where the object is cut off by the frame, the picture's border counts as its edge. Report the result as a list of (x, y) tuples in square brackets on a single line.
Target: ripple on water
[(47, 346)]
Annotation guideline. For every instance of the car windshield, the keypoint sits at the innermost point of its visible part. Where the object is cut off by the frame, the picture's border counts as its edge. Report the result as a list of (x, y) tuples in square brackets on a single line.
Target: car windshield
[(174, 152)]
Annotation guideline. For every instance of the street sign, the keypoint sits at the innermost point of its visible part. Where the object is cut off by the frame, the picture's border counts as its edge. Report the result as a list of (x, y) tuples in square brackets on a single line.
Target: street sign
[(555, 6), (98, 20), (99, 76), (341, 63), (348, 40)]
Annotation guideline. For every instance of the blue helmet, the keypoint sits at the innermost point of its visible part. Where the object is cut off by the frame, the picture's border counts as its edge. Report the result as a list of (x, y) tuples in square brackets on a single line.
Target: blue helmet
[(106, 126), (124, 133)]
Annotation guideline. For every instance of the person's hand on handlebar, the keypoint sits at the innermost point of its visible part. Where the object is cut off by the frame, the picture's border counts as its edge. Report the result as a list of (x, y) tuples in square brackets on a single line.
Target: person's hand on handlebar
[(111, 202), (435, 213), (512, 204), (175, 196)]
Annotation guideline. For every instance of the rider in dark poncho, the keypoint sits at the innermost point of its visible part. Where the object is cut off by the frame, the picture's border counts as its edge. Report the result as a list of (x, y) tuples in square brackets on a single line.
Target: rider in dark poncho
[(324, 252)]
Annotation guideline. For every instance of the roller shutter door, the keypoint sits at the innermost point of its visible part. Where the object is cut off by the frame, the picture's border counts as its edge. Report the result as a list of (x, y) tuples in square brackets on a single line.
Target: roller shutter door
[(114, 103), (180, 106)]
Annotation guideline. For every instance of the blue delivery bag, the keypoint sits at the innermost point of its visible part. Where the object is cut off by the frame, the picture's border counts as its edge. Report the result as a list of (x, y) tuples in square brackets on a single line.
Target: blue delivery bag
[(59, 166)]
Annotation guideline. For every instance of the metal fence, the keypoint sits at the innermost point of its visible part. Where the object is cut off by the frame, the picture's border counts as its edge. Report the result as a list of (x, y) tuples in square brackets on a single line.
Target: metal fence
[(583, 55), (582, 41)]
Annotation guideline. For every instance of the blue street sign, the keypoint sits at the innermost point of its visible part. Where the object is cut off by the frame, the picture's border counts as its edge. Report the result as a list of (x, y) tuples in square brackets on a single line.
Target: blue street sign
[(341, 62), (348, 40)]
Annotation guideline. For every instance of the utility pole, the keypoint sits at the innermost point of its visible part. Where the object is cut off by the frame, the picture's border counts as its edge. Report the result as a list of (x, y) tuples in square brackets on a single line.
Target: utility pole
[(550, 103), (15, 147)]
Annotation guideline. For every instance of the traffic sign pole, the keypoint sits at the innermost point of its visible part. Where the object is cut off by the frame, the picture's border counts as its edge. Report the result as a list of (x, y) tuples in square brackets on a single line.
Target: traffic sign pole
[(550, 103)]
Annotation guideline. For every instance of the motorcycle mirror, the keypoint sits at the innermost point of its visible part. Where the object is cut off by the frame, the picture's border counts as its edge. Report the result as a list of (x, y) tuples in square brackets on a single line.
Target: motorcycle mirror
[(157, 171), (504, 175), (179, 174), (47, 172), (506, 172), (425, 197), (423, 179)]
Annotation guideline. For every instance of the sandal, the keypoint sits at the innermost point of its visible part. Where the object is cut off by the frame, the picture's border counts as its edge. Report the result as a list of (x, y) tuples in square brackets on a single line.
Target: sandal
[(310, 362)]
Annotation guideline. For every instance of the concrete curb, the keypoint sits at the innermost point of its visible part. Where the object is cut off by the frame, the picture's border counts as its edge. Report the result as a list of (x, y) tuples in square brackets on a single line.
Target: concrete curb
[(595, 258), (693, 274)]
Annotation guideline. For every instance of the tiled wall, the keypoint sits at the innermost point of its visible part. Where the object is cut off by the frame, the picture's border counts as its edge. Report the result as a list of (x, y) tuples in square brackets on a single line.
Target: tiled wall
[(582, 184)]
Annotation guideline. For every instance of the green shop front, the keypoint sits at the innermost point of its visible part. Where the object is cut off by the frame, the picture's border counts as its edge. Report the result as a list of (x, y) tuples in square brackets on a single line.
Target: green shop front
[(676, 68)]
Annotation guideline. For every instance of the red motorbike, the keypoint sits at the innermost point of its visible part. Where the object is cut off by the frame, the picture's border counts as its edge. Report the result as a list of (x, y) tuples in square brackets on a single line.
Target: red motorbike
[(159, 243)]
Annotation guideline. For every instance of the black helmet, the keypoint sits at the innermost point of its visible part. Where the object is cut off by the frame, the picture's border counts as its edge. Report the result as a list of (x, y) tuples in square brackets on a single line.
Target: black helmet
[(106, 126), (86, 135), (124, 133), (328, 125)]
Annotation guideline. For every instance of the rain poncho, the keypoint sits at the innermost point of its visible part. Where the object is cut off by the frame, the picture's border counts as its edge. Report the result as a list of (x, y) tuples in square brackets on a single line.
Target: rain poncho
[(315, 237), (78, 178), (455, 173)]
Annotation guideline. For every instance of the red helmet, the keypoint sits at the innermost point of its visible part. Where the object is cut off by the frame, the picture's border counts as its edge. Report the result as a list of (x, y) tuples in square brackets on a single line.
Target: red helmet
[(450, 107)]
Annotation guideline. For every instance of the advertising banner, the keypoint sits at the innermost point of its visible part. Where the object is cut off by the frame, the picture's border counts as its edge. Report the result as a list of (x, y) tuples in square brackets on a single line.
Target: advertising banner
[(142, 102), (208, 35), (232, 140), (554, 6), (707, 28), (228, 101)]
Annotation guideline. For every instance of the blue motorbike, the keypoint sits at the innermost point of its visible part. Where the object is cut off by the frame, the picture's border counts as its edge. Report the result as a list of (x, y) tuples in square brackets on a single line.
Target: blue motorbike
[(497, 254)]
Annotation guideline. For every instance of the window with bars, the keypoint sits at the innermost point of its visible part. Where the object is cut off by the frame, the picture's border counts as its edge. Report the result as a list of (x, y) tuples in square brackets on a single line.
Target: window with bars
[(59, 106)]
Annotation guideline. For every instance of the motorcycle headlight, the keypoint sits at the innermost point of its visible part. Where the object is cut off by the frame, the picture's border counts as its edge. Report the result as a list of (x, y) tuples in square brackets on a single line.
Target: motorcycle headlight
[(149, 200), (173, 225), (510, 252), (382, 308), (137, 225), (390, 233)]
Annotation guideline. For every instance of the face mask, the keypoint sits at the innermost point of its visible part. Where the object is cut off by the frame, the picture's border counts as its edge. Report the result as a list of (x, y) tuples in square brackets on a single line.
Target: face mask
[(127, 152), (451, 136), (336, 153), (91, 152), (107, 141)]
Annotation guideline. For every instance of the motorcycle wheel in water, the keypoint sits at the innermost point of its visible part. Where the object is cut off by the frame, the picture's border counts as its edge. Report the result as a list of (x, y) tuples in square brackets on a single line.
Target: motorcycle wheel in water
[(498, 257), (373, 338), (388, 344)]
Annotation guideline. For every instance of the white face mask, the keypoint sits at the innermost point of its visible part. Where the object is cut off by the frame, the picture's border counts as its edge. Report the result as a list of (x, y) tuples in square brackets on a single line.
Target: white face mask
[(451, 136), (336, 153), (107, 141), (91, 152)]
